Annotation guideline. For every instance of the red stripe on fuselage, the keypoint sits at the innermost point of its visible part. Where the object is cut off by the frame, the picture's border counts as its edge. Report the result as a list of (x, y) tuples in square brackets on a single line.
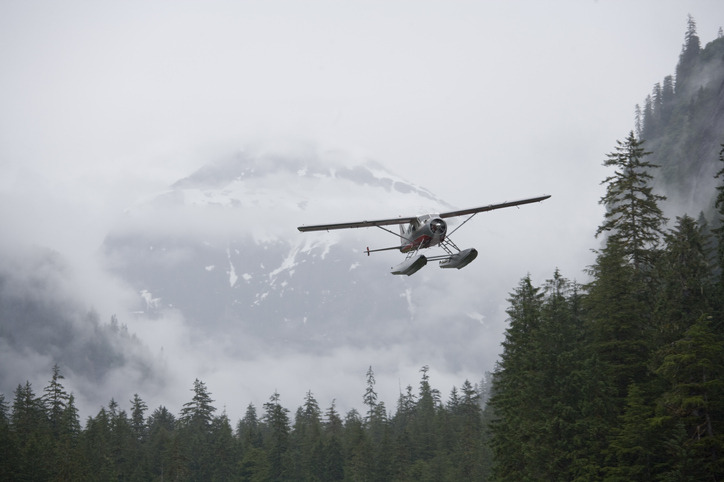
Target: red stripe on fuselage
[(422, 242)]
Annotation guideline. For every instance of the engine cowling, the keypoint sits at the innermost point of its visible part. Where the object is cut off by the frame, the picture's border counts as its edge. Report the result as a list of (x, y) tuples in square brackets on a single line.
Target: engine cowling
[(438, 226)]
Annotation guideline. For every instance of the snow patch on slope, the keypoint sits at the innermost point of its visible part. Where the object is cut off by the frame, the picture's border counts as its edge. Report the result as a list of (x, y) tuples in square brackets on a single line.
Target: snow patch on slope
[(151, 302), (232, 271)]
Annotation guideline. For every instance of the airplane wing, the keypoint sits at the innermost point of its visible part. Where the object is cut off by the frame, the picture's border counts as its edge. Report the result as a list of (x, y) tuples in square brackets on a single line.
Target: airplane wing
[(491, 207), (409, 219), (359, 224)]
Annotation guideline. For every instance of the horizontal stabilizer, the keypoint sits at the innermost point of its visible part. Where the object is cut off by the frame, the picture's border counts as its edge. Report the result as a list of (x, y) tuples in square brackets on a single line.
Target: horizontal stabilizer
[(368, 250)]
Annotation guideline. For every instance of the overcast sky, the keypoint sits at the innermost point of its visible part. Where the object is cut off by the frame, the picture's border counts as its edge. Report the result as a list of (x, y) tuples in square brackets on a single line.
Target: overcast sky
[(105, 103)]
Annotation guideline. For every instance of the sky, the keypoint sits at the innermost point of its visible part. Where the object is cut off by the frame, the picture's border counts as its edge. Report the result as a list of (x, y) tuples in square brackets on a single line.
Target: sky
[(103, 104)]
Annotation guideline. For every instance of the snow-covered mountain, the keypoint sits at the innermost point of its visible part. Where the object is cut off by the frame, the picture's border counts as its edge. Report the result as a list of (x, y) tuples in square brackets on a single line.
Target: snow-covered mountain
[(222, 247)]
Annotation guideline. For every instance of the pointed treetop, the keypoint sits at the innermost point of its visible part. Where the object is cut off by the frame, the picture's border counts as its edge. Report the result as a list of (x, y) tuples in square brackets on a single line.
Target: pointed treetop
[(370, 396), (199, 409), (633, 217)]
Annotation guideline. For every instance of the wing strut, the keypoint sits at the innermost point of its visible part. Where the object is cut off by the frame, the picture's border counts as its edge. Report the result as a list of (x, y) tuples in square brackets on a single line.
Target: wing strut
[(392, 232), (461, 225)]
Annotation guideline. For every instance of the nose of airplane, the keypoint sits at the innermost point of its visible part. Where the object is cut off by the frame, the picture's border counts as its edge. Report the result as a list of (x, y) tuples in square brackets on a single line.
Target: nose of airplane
[(438, 226)]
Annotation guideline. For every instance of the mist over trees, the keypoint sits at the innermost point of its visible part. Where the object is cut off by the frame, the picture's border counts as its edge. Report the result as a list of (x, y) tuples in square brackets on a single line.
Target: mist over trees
[(682, 122)]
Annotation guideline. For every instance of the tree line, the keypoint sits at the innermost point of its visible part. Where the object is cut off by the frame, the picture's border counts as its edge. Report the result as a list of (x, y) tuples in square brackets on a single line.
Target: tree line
[(41, 438), (622, 378)]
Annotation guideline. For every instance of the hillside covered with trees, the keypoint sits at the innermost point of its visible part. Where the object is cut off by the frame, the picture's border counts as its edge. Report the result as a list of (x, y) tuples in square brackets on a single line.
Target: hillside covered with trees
[(622, 378), (618, 379)]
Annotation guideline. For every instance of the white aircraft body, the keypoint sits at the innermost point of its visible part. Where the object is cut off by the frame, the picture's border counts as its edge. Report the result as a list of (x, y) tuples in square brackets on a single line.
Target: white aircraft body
[(425, 231)]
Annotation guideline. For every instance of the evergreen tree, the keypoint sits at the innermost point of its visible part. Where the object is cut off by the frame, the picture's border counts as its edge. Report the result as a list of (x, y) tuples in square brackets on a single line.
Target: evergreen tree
[(514, 383), (688, 57), (194, 434), (638, 122), (97, 449), (55, 399), (333, 423), (277, 420), (223, 460), (648, 128), (138, 422), (685, 276), (334, 450), (618, 315), (123, 444), (631, 449), (632, 217), (667, 101), (682, 464), (359, 464), (539, 387), (8, 449), (32, 434), (423, 428), (469, 453), (370, 396), (334, 460), (199, 411), (177, 459), (249, 430), (305, 439), (694, 366), (719, 231), (69, 462), (160, 433)]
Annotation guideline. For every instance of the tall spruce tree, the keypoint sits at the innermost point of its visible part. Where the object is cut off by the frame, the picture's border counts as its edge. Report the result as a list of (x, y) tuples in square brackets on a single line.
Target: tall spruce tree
[(138, 422), (515, 385), (199, 411), (633, 217), (55, 399), (194, 436), (277, 419)]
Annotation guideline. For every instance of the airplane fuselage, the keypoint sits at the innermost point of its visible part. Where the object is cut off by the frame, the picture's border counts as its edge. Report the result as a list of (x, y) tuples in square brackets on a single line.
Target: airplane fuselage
[(423, 232)]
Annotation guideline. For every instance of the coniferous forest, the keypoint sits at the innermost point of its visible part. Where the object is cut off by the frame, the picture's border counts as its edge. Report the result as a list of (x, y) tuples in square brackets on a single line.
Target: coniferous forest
[(617, 379), (41, 438)]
